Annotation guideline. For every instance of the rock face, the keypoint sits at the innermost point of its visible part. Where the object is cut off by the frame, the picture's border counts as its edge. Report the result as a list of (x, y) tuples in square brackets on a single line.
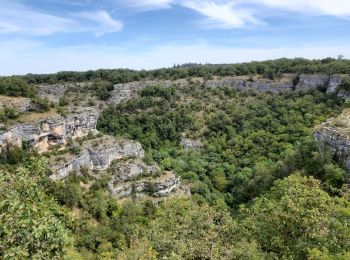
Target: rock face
[(335, 134), (97, 155), (123, 161), (40, 135), (53, 92), (190, 144), (161, 186), (131, 169), (56, 91), (309, 82), (19, 103), (259, 85), (125, 91), (334, 83)]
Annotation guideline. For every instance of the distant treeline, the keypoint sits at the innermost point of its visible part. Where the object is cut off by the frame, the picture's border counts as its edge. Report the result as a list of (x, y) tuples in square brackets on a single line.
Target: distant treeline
[(269, 69)]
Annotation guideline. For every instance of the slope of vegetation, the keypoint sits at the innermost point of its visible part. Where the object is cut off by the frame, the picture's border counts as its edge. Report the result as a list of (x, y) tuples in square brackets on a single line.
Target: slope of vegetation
[(261, 187), (251, 139)]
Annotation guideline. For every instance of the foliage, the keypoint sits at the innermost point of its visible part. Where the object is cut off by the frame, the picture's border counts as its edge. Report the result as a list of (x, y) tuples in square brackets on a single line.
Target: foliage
[(269, 69), (295, 219), (8, 113), (102, 89), (251, 139), (247, 200), (63, 101), (31, 224), (41, 104), (14, 155), (15, 86)]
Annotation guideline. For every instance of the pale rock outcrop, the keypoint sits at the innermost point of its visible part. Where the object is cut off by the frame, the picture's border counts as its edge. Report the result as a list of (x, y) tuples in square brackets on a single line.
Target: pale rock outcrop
[(335, 134), (309, 82), (123, 160), (161, 186), (96, 154), (259, 85), (54, 92), (128, 170), (126, 91), (189, 144), (334, 83), (21, 104), (40, 135)]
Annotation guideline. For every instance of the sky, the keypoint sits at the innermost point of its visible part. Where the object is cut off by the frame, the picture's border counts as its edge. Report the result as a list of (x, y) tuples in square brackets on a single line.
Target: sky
[(45, 36)]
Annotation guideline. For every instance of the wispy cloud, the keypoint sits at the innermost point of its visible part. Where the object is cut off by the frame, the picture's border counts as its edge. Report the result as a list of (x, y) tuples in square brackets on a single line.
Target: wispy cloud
[(228, 14), (104, 23), (148, 4), (223, 15), (313, 7), (18, 18)]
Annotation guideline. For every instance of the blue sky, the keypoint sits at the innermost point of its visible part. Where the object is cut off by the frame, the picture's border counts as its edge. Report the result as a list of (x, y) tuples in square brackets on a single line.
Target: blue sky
[(42, 36)]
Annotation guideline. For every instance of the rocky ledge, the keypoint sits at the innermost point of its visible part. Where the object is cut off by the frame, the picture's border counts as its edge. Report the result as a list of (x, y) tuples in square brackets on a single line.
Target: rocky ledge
[(95, 154), (20, 104), (120, 159), (154, 186), (335, 134), (45, 133), (191, 144), (330, 83)]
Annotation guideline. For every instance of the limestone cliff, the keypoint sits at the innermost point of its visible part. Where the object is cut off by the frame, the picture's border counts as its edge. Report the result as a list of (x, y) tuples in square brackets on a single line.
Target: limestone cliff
[(44, 133), (161, 186), (96, 154), (135, 178), (55, 91), (335, 134), (125, 91), (123, 161)]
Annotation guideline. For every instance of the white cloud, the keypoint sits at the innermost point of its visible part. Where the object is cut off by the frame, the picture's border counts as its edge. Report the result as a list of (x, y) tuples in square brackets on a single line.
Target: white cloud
[(223, 15), (31, 57), (148, 4), (229, 14), (313, 7), (18, 18), (105, 23)]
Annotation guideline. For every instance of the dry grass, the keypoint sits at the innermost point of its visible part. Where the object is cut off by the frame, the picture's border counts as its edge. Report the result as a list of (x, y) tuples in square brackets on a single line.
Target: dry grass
[(14, 100), (34, 117)]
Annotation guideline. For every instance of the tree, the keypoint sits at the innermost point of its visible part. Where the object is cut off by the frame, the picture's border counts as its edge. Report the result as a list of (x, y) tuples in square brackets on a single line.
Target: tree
[(295, 218), (31, 223)]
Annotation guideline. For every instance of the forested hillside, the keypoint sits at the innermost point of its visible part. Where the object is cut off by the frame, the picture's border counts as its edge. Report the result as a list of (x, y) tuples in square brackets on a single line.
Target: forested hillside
[(258, 185)]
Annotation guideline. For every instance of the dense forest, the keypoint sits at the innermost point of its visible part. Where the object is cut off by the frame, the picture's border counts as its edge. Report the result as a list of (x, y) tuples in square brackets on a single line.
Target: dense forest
[(261, 187), (269, 69)]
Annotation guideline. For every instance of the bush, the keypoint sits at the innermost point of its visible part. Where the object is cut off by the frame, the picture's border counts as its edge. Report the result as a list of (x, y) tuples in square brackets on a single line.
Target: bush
[(41, 104), (102, 89), (63, 101), (8, 113), (14, 86)]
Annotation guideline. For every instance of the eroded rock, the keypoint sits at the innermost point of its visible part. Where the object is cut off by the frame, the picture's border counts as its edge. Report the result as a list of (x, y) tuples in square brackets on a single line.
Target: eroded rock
[(335, 134), (161, 186), (20, 104), (42, 134), (126, 91), (96, 154), (190, 144)]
